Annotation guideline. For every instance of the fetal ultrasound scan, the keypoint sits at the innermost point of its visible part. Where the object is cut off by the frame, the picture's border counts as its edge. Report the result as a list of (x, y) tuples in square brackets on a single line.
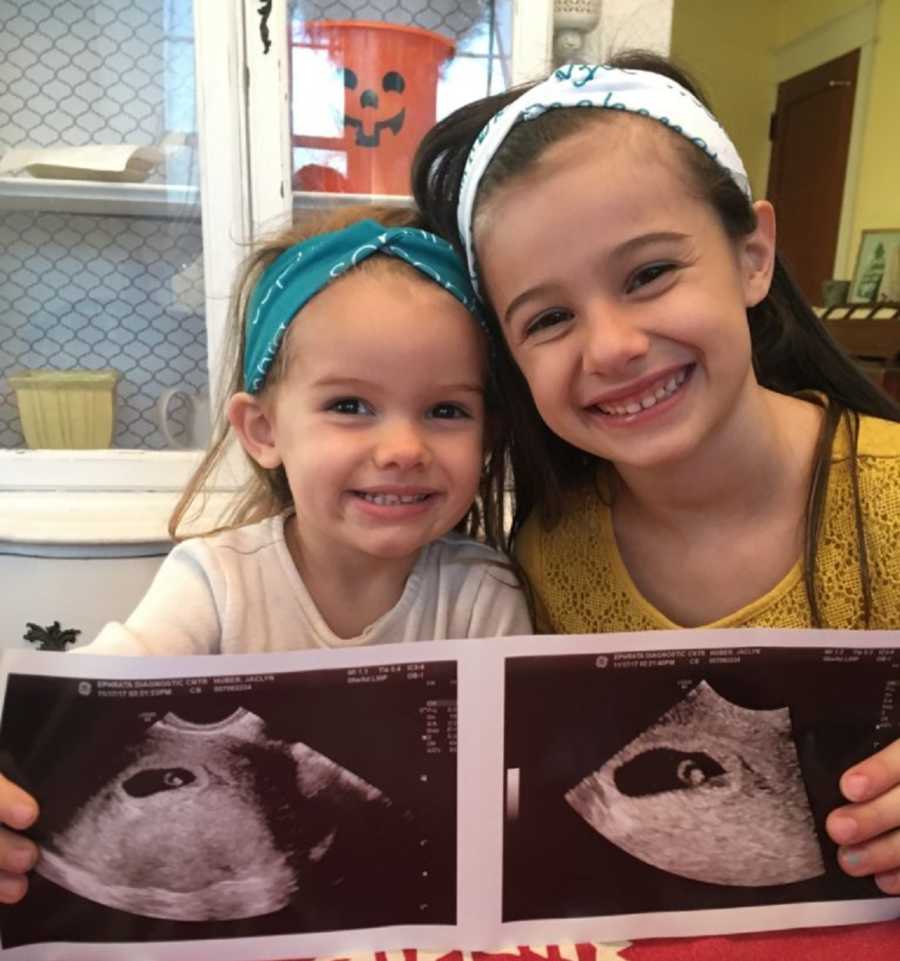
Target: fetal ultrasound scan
[(236, 807), (706, 773), (683, 780)]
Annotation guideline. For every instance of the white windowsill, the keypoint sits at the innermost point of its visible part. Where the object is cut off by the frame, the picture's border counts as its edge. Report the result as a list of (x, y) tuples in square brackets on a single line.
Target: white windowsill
[(97, 197), (118, 498), (93, 523), (34, 470)]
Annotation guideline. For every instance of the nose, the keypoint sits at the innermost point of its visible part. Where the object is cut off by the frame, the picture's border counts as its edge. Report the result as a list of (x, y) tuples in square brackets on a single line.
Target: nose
[(401, 445), (369, 99), (613, 338)]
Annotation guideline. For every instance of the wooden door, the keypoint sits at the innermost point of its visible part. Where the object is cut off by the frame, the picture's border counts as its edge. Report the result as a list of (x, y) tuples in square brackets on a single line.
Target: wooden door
[(810, 141)]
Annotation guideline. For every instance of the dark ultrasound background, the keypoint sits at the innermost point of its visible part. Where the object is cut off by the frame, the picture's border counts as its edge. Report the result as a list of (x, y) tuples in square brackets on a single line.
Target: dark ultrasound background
[(565, 717), (395, 866)]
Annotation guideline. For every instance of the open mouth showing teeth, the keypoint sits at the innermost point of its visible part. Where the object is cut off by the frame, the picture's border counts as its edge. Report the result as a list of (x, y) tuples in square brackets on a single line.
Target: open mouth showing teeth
[(392, 500), (649, 399)]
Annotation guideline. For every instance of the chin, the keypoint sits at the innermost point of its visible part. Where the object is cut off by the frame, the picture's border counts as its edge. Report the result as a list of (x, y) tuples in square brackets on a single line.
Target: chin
[(648, 455), (659, 459), (395, 550)]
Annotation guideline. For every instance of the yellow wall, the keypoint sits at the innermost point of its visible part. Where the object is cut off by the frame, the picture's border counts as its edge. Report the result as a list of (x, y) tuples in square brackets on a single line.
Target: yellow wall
[(878, 203), (727, 47), (730, 48), (799, 17)]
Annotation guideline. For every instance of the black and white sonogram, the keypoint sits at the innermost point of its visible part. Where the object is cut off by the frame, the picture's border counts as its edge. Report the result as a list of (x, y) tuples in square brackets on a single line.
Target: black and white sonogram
[(159, 838), (234, 807), (682, 780), (711, 791)]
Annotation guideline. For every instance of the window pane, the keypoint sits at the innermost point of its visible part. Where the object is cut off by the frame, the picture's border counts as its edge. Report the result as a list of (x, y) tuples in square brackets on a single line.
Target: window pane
[(101, 260), (369, 78)]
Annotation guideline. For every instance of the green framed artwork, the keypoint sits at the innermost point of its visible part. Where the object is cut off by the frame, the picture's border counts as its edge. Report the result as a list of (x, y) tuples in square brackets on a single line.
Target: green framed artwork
[(877, 273)]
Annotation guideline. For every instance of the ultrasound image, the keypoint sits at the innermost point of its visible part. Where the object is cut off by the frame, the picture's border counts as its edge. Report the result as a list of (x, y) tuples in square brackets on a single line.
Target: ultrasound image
[(159, 838), (711, 791), (186, 809), (684, 780)]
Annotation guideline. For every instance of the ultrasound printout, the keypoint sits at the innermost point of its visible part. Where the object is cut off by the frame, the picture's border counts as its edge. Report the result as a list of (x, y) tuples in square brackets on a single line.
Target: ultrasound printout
[(446, 796), (696, 779), (221, 807)]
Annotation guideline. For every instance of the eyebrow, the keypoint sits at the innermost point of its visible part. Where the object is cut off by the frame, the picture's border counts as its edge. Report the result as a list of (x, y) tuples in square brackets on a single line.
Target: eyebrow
[(354, 383), (350, 382), (459, 388), (623, 250)]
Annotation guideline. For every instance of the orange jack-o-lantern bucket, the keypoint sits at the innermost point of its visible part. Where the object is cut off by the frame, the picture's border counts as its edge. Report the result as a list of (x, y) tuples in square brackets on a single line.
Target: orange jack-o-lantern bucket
[(364, 95)]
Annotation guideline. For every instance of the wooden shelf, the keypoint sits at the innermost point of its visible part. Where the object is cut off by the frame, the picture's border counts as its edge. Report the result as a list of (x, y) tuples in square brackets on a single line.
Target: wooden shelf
[(147, 200), (98, 197), (880, 310), (868, 331)]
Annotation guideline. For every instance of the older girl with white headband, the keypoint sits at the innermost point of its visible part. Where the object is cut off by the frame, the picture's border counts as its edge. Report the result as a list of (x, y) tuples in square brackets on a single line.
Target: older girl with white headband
[(360, 396), (690, 447)]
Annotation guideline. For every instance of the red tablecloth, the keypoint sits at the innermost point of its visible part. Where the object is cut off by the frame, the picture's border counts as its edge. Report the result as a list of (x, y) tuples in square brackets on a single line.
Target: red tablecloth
[(862, 942)]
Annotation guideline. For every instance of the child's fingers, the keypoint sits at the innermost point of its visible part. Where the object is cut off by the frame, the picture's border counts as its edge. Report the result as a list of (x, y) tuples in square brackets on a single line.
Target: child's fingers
[(867, 830), (880, 856), (889, 882), (17, 809), (873, 776), (12, 887), (854, 824), (17, 854)]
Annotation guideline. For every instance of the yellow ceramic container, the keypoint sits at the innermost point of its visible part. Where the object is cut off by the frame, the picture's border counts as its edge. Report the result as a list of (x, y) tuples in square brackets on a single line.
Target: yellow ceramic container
[(66, 409)]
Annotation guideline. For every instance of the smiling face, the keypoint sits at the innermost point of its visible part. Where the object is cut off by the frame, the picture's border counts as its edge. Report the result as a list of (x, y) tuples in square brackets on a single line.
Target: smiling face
[(378, 418), (625, 307)]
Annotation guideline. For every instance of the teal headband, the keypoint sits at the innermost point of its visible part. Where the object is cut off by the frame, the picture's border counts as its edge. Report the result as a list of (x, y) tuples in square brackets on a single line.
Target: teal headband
[(299, 273)]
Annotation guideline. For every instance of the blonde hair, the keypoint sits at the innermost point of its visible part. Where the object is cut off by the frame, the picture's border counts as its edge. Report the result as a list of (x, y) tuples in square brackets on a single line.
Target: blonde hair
[(267, 492)]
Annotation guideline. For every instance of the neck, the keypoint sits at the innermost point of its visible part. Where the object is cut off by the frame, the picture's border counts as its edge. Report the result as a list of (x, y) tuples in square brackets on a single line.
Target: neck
[(748, 466), (373, 584)]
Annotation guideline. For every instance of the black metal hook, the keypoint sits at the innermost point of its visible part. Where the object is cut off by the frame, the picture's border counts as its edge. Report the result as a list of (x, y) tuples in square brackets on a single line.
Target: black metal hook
[(265, 11)]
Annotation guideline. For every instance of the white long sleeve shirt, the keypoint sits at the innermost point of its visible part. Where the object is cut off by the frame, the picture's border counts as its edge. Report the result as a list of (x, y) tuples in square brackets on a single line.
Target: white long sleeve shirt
[(239, 592)]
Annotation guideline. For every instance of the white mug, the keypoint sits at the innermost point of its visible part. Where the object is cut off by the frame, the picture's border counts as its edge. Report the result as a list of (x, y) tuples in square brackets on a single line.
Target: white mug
[(196, 431)]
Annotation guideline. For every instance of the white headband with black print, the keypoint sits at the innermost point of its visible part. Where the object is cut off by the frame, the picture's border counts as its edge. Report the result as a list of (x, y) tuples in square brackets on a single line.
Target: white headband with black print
[(596, 85)]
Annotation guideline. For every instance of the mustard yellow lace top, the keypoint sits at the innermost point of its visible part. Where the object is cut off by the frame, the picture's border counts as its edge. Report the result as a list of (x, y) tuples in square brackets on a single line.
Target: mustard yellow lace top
[(581, 585)]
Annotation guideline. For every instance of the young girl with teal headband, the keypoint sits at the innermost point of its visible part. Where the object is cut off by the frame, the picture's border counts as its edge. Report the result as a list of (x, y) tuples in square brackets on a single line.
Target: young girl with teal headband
[(361, 398), (690, 448)]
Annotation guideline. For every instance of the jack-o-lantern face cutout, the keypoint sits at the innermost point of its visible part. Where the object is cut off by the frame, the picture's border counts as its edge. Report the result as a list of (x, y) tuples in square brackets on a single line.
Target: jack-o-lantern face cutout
[(392, 86)]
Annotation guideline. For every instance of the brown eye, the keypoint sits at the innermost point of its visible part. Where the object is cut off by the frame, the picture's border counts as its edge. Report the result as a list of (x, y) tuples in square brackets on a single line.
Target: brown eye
[(448, 411), (646, 275), (393, 82), (549, 318)]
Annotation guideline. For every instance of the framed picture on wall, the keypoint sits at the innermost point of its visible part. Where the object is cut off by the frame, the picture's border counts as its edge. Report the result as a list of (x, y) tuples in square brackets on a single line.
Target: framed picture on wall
[(877, 274)]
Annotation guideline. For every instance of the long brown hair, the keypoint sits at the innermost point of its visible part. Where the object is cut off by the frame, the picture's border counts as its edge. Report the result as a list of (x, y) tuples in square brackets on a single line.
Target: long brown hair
[(792, 350), (267, 492)]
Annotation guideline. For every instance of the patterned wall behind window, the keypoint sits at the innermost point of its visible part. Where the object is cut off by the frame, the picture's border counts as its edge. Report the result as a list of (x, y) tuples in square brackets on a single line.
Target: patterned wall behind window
[(91, 290)]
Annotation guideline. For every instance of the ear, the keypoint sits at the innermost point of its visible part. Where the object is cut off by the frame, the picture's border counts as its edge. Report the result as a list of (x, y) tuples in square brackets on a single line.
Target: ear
[(252, 422), (758, 254)]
